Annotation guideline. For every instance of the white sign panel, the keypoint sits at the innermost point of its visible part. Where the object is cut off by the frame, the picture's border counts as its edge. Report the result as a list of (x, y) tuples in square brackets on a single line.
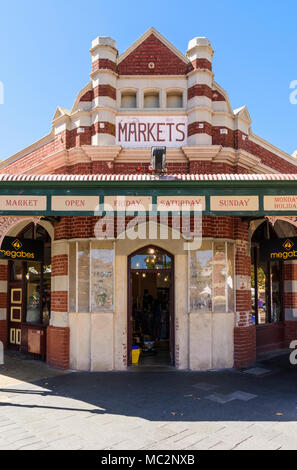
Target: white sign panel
[(179, 203), (280, 203), (75, 203), (23, 203), (234, 203), (150, 131), (127, 203)]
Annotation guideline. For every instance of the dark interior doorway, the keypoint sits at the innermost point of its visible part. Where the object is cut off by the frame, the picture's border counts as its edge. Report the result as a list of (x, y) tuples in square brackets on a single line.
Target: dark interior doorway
[(150, 309), (29, 294), (267, 289)]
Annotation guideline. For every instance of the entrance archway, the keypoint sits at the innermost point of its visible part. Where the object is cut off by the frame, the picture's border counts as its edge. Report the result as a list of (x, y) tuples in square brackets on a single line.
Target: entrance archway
[(151, 307), (29, 289), (270, 295)]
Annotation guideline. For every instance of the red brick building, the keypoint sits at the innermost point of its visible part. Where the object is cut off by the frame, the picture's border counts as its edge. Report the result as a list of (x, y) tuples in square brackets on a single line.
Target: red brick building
[(83, 300)]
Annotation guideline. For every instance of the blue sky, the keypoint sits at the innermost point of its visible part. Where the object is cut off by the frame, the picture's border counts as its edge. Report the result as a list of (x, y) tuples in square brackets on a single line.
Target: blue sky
[(44, 56)]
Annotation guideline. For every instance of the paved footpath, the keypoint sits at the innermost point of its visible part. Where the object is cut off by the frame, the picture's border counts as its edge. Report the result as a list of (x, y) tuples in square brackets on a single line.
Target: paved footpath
[(42, 408)]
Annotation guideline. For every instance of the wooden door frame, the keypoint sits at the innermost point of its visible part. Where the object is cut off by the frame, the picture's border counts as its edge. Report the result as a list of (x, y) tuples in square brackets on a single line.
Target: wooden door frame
[(171, 302)]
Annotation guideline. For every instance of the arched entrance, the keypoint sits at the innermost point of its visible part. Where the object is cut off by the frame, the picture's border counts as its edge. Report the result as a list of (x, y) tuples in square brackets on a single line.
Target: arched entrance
[(29, 289), (268, 277), (151, 306)]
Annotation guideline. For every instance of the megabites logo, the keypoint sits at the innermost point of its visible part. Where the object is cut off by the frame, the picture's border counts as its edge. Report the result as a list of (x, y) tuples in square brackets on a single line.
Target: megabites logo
[(15, 252)]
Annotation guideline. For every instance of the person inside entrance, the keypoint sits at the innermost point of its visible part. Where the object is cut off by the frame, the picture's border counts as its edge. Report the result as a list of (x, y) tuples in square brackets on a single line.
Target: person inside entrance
[(151, 307)]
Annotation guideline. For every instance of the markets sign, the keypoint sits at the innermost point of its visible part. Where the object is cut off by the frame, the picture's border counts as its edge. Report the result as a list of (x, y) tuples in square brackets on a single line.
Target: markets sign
[(280, 249), (149, 131), (22, 249)]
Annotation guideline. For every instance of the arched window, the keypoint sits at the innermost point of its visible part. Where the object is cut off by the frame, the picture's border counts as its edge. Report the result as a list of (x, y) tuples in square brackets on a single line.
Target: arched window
[(34, 276), (266, 278)]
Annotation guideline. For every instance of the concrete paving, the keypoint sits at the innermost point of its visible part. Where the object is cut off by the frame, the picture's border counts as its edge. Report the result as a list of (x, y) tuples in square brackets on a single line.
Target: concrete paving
[(157, 408)]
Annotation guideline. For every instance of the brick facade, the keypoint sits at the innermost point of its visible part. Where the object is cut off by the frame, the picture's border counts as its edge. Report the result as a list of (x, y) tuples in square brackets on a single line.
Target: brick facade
[(152, 50), (82, 141), (3, 332)]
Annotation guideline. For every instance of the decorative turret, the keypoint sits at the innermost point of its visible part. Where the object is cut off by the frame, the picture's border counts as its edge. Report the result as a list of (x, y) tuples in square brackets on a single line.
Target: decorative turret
[(103, 77), (200, 80)]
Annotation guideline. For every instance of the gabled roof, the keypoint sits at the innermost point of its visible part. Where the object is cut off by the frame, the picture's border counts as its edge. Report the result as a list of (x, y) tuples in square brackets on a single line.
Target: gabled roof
[(243, 113), (161, 38), (61, 112), (152, 54)]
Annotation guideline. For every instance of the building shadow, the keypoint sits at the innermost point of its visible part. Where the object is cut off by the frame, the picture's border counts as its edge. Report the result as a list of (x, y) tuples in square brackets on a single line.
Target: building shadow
[(168, 395)]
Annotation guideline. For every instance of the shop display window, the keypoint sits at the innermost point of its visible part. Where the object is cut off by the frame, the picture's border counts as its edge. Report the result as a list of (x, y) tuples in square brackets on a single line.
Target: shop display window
[(266, 279), (211, 277), (91, 276), (30, 281)]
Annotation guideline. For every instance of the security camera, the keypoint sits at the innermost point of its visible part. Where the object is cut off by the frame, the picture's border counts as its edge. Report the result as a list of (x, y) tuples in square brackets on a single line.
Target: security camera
[(158, 159)]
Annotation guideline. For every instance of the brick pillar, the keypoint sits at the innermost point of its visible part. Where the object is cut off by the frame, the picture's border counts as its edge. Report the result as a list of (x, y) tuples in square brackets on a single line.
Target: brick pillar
[(57, 347), (58, 334), (245, 331), (290, 301), (3, 301)]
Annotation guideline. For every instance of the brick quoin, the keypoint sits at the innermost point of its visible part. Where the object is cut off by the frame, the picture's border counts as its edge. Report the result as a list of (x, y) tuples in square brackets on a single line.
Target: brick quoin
[(3, 332), (104, 90), (57, 347), (60, 265), (108, 128), (3, 299), (194, 128), (244, 346), (59, 301), (104, 64), (290, 333), (290, 271), (245, 331), (200, 90), (3, 272), (200, 64)]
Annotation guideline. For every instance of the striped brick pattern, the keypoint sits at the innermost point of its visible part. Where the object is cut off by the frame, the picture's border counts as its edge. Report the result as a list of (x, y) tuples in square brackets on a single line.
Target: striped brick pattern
[(245, 331), (104, 64), (58, 332), (105, 90)]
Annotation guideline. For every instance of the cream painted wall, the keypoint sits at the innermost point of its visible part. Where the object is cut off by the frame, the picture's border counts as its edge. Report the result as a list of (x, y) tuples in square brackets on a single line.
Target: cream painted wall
[(98, 341), (211, 340)]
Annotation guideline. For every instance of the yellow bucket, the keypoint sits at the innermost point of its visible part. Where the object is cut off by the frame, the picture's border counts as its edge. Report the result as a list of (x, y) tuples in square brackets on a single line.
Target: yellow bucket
[(135, 355)]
